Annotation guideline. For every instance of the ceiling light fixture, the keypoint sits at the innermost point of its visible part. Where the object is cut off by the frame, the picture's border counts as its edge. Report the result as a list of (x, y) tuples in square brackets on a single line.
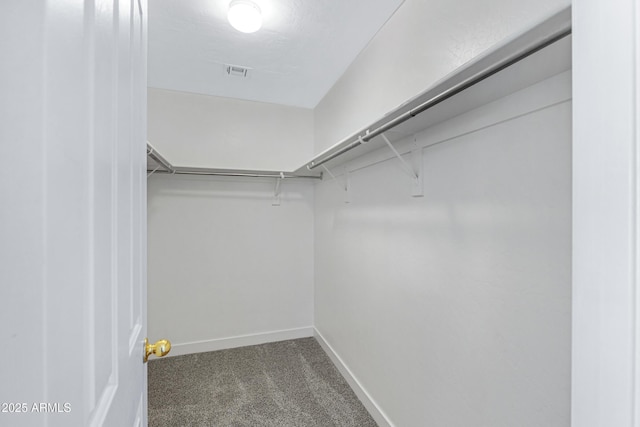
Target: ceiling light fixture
[(244, 16)]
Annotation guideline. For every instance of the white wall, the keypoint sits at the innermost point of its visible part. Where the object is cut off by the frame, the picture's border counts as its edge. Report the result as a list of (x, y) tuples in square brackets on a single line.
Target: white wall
[(226, 268), (454, 309), (421, 43), (213, 132), (224, 262)]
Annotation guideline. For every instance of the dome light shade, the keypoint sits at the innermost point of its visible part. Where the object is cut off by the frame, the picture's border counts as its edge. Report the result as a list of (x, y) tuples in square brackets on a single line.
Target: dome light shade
[(244, 16)]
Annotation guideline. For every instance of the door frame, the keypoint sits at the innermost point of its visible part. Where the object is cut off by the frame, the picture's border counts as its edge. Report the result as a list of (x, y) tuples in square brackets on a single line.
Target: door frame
[(606, 103)]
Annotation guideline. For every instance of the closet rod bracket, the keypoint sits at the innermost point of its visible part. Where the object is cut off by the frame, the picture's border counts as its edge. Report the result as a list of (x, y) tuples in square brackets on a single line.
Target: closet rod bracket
[(416, 159), (276, 190), (345, 186)]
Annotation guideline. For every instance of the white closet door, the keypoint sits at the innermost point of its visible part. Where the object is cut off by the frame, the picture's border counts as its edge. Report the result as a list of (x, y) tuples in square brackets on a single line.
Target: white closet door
[(73, 216)]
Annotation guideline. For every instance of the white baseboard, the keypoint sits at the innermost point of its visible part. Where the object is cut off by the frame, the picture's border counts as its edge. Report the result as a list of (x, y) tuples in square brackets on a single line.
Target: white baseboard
[(378, 415), (239, 341)]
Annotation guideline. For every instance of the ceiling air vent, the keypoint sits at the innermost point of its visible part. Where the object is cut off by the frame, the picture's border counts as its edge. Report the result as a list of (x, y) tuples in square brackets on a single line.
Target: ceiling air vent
[(236, 70)]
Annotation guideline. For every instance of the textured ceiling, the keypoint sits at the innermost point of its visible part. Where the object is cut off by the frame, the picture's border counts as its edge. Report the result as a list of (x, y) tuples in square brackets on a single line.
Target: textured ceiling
[(304, 46)]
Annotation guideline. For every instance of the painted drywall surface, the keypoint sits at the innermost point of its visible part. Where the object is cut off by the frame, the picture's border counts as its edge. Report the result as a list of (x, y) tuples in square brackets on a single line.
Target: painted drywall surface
[(208, 131), (419, 45), (454, 309), (301, 50), (223, 262)]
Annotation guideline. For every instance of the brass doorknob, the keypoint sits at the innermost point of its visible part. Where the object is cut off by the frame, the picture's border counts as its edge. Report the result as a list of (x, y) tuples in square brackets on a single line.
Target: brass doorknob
[(160, 348)]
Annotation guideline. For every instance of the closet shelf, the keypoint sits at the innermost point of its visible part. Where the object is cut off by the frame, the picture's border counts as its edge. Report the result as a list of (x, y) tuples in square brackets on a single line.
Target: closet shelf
[(521, 61)]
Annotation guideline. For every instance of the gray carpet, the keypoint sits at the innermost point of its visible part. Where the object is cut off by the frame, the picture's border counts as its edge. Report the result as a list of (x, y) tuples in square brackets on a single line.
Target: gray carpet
[(288, 383)]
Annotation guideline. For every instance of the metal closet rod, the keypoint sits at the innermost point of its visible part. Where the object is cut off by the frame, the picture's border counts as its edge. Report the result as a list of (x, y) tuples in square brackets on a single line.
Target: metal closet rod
[(213, 172), (178, 170), (442, 96)]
